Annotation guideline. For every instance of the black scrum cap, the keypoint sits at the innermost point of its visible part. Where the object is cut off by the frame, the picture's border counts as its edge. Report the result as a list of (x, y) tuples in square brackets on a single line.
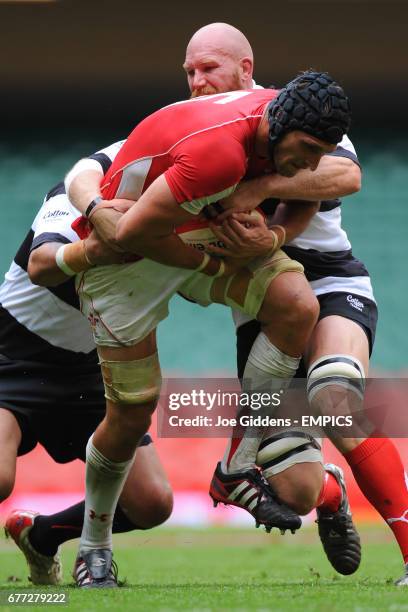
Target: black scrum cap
[(313, 103)]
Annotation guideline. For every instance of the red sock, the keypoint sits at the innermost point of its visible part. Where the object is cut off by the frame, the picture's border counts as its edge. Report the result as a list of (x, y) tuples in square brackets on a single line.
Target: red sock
[(379, 473), (330, 495)]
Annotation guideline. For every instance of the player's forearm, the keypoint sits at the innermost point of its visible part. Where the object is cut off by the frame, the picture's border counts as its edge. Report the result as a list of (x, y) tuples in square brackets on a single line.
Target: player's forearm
[(165, 249), (53, 263), (83, 188), (42, 267), (148, 229), (334, 177), (294, 217)]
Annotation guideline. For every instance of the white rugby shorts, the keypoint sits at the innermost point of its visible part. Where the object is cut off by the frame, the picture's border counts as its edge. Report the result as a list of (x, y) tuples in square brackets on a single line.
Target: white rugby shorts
[(125, 302)]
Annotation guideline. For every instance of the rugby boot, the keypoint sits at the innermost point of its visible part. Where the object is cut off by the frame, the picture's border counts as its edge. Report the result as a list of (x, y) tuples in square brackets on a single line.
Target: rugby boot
[(249, 490), (403, 581), (95, 569), (337, 532), (43, 569)]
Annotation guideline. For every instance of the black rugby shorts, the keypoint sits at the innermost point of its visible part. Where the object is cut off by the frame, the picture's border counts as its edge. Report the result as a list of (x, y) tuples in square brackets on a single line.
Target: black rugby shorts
[(58, 407)]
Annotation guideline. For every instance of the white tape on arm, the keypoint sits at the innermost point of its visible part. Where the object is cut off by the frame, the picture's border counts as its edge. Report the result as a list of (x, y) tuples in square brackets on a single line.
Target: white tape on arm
[(59, 258)]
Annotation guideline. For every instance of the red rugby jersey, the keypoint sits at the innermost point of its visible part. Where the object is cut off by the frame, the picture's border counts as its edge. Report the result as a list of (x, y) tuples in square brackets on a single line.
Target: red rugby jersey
[(201, 146)]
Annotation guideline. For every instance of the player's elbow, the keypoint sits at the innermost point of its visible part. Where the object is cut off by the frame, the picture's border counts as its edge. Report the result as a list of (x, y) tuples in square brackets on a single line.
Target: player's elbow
[(36, 275), (42, 274), (39, 277), (35, 272), (352, 179)]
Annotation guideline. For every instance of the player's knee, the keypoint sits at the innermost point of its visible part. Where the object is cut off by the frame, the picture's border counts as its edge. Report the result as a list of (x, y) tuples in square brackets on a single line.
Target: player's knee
[(292, 462), (299, 310), (346, 370), (129, 383), (160, 505), (302, 499), (299, 486), (152, 506), (304, 311), (335, 387)]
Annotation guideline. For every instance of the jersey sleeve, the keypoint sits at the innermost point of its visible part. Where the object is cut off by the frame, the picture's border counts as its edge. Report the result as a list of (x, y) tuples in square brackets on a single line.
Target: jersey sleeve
[(53, 222), (100, 161), (345, 148), (106, 156), (206, 171)]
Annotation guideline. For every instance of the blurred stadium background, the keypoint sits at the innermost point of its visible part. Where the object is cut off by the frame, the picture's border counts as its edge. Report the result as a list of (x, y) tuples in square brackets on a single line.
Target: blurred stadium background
[(77, 76)]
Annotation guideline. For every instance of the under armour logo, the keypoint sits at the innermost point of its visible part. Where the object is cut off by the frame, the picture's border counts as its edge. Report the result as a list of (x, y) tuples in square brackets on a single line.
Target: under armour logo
[(101, 517), (402, 518)]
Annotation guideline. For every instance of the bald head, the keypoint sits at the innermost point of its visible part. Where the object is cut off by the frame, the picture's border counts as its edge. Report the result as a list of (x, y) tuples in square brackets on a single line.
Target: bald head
[(219, 58), (222, 38)]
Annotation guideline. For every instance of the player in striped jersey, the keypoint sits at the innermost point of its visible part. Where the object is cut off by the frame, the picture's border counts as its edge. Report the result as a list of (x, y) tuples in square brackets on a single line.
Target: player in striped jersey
[(51, 391), (342, 341)]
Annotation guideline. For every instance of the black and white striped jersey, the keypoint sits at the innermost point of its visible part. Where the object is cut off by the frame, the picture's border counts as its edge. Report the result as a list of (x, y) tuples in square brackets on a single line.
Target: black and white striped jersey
[(324, 232), (45, 324), (38, 323), (325, 250)]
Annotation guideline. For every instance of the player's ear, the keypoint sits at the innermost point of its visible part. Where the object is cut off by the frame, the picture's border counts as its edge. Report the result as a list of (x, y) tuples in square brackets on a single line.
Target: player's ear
[(246, 66)]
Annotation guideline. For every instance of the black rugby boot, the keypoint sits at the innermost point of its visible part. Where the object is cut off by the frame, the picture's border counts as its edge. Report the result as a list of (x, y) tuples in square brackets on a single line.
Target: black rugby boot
[(337, 532), (249, 490)]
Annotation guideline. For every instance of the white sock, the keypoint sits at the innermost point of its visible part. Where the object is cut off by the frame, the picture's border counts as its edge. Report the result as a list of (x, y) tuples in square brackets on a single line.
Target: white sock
[(267, 370), (104, 483)]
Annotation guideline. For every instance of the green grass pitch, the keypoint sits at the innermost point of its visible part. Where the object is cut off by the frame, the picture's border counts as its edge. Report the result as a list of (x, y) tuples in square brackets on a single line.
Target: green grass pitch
[(229, 569)]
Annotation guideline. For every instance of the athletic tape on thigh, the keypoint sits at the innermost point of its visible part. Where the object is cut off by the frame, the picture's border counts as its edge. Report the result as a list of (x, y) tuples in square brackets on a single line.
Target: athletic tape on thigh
[(340, 370), (280, 451), (263, 273), (132, 382)]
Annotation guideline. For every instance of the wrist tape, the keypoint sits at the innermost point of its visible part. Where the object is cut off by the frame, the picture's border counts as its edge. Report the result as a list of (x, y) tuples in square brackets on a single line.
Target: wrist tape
[(71, 258), (278, 235)]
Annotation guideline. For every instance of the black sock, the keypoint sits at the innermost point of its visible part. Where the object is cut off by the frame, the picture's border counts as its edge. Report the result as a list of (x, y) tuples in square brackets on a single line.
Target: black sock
[(49, 532)]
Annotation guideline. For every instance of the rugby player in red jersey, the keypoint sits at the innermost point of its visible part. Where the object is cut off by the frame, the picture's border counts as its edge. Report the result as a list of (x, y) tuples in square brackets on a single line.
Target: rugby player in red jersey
[(177, 161)]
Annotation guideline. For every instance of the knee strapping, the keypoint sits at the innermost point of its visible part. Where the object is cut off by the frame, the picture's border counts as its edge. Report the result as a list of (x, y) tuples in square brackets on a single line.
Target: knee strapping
[(132, 382), (280, 451), (266, 357), (262, 274), (339, 370)]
